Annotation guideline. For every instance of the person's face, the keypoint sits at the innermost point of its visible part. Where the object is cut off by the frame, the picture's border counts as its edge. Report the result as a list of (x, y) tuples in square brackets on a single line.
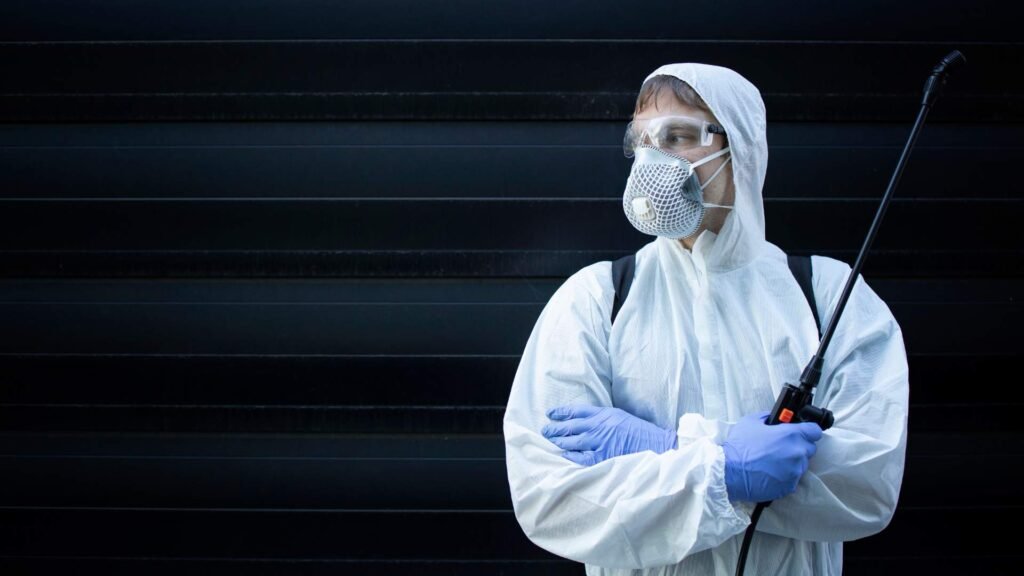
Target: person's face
[(721, 190)]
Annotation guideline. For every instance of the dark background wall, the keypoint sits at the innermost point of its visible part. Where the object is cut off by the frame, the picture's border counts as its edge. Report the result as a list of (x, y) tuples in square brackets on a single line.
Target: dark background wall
[(266, 267)]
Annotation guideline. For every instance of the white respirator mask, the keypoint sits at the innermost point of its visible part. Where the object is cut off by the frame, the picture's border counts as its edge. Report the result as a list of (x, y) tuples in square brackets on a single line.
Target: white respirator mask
[(663, 196)]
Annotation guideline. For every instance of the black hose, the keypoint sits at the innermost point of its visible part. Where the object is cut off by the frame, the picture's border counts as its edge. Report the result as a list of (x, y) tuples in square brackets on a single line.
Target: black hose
[(747, 537)]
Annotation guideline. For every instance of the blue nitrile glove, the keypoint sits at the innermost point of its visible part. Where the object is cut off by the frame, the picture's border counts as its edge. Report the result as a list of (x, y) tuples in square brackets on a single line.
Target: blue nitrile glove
[(591, 434), (764, 463)]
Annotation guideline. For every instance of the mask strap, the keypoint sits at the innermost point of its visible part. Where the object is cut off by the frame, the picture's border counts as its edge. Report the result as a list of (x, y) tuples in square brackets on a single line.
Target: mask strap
[(710, 205), (717, 172), (707, 159)]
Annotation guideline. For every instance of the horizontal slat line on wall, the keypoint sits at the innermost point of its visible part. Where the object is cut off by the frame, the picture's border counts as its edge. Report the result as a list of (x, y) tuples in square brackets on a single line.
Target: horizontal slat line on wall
[(356, 200), (979, 418), (354, 380), (285, 561), (346, 328), (397, 561), (508, 172), (196, 20), (423, 446), (227, 562), (450, 264), (500, 224), (855, 566), (398, 107), (531, 41), (283, 420), (467, 535), (349, 408), (413, 201), (422, 291), (440, 147), (465, 68), (25, 336), (249, 567), (469, 380), (384, 511), (191, 356), (360, 408), (264, 483), (964, 564), (489, 136), (254, 81), (489, 535)]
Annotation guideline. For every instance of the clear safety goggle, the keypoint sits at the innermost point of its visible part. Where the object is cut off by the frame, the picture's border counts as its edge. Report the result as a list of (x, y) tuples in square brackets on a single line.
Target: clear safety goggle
[(675, 134)]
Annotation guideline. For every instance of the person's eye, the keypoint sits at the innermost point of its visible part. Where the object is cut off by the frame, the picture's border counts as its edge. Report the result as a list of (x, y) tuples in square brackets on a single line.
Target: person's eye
[(680, 137)]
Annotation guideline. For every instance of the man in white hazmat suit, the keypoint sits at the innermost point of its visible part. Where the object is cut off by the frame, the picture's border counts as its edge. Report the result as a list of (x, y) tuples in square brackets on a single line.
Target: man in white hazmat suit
[(639, 447)]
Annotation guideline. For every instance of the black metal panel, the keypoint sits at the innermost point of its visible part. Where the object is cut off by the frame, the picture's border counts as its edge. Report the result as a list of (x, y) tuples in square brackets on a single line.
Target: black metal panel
[(281, 446), (264, 533), (439, 66), (471, 224), (981, 418), (424, 290), (327, 534), (853, 566), (120, 20), (582, 160), (999, 262), (353, 425), (267, 380), (284, 380), (940, 532), (979, 564), (551, 566), (916, 533), (459, 137), (383, 446), (380, 291), (445, 79), (471, 106), (344, 482), (257, 482), (435, 329), (403, 329), (247, 419)]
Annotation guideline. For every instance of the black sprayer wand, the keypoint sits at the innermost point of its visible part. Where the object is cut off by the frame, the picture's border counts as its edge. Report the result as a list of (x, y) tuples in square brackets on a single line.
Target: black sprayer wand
[(794, 402)]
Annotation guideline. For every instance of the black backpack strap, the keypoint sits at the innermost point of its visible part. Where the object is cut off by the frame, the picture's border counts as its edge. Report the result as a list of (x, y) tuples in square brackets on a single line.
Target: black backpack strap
[(800, 266), (622, 278), (624, 269)]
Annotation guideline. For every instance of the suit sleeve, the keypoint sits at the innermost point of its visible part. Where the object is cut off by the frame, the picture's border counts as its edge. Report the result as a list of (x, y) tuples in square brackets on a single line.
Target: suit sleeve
[(634, 511), (853, 482)]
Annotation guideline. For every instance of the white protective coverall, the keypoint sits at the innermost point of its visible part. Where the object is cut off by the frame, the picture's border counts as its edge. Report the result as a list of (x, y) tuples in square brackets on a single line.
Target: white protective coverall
[(703, 339)]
